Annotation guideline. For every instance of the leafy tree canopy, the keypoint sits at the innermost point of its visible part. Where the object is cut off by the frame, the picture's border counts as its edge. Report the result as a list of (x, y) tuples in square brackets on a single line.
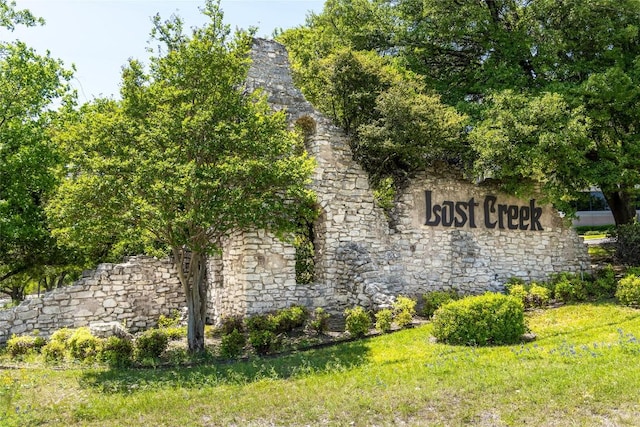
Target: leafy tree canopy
[(579, 57), (29, 84), (187, 157)]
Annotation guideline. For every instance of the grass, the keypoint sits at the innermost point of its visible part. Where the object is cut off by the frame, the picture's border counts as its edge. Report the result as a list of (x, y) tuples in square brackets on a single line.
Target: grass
[(582, 370)]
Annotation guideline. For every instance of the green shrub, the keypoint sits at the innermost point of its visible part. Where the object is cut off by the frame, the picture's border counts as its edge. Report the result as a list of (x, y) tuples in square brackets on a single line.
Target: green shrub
[(54, 351), (288, 319), (518, 291), (404, 308), (434, 299), (175, 332), (232, 344), (82, 345), (603, 285), (261, 322), (231, 323), (489, 319), (61, 335), (563, 291), (358, 321), (23, 345), (320, 321), (627, 244), (151, 344), (170, 321), (384, 318), (628, 292), (117, 352), (538, 296), (264, 341)]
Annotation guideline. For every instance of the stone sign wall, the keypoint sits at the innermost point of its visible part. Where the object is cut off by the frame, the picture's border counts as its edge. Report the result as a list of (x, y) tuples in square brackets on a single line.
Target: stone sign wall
[(447, 234)]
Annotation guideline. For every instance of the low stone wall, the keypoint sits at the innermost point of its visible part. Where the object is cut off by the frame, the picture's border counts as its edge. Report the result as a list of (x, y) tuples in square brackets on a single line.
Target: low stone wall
[(134, 293)]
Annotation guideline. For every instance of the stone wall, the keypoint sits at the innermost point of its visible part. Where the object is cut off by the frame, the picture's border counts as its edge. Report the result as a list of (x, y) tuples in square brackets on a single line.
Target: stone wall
[(359, 258), (134, 293)]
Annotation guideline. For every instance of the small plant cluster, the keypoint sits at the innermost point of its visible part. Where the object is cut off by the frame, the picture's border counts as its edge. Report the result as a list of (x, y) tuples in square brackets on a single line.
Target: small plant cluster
[(532, 295), (265, 332), (435, 299), (489, 319), (358, 321), (628, 291), (627, 244), (565, 288), (82, 346)]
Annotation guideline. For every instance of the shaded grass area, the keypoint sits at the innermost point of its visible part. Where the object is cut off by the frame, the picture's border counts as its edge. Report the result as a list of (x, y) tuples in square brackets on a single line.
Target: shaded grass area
[(582, 370)]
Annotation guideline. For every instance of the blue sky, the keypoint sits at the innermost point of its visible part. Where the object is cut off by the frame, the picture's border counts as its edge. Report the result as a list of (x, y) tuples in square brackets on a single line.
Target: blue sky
[(98, 36)]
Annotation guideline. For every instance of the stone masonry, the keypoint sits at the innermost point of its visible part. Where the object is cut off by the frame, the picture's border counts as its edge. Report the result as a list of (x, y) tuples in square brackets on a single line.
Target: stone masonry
[(448, 234), (134, 293)]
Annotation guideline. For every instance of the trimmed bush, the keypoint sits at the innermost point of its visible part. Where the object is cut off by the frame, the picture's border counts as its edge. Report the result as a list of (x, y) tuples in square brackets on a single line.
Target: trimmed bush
[(538, 296), (404, 308), (117, 352), (383, 320), (628, 292), (260, 322), (83, 345), (489, 319), (175, 333), (232, 344), (320, 321), (358, 321), (231, 323), (23, 345), (151, 344), (518, 291), (434, 299), (264, 341), (54, 351), (61, 335), (288, 319), (170, 321)]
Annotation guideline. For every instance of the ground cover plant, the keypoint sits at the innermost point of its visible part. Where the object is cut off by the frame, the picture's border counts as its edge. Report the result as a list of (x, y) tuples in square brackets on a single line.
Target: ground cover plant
[(581, 370)]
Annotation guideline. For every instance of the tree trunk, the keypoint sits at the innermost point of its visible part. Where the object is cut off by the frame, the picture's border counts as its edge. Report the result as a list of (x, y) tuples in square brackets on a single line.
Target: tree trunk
[(192, 271), (621, 205)]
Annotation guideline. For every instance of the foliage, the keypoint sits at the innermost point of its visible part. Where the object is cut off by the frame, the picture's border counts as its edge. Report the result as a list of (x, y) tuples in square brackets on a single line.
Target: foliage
[(538, 296), (171, 320), (384, 319), (261, 322), (518, 291), (186, 157), (525, 141), (230, 323), (29, 85), (264, 341), (628, 291), (404, 308), (288, 319), (24, 344), (150, 344), (83, 346), (489, 319), (320, 321), (232, 344), (54, 351), (358, 321), (305, 256), (434, 299), (117, 352), (627, 244)]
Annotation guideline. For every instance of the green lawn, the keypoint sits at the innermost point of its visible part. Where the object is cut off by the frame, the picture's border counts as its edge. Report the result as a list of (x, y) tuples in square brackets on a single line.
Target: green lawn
[(584, 369)]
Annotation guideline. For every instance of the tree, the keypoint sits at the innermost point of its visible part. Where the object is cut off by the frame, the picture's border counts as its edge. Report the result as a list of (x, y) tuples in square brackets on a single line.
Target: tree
[(29, 84), (583, 54), (187, 156)]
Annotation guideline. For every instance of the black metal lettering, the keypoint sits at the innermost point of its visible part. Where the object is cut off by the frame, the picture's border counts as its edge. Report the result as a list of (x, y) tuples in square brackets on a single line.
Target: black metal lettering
[(447, 213), (489, 208), (472, 216), (431, 210), (536, 214), (512, 215), (525, 215), (502, 211), (461, 213)]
